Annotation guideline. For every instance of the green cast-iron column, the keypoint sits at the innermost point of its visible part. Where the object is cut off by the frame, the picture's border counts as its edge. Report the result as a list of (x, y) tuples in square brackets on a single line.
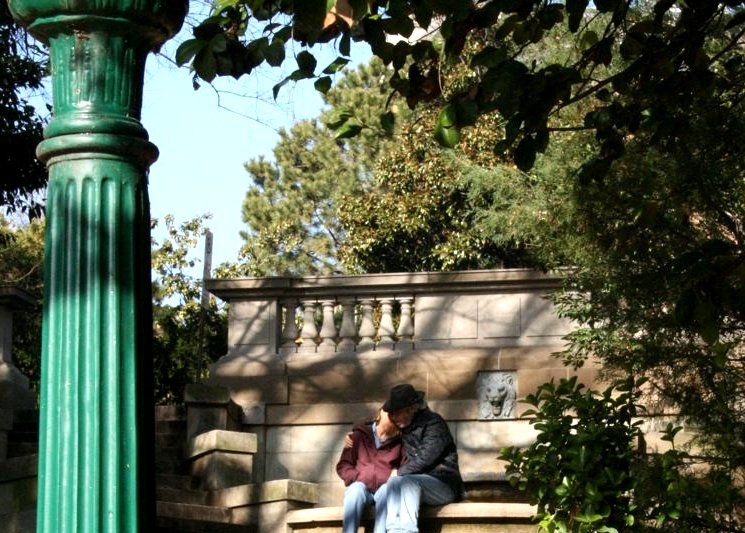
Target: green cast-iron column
[(95, 459)]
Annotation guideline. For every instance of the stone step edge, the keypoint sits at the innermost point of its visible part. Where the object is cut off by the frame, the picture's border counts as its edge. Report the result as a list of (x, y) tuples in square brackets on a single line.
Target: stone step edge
[(195, 512), (259, 493), (220, 440), (502, 512)]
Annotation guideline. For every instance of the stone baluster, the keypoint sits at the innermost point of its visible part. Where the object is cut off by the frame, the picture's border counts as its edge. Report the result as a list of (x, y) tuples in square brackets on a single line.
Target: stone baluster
[(367, 327), (309, 331), (290, 332), (406, 324), (328, 328), (347, 331), (386, 332)]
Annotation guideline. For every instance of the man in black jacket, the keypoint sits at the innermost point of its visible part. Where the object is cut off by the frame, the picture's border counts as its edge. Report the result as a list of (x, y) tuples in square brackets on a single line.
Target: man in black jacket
[(429, 473)]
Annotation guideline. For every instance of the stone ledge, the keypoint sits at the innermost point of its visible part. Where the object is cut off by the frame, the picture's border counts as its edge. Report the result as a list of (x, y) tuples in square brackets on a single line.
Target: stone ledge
[(496, 512), (206, 394), (268, 491), (222, 441), (188, 511)]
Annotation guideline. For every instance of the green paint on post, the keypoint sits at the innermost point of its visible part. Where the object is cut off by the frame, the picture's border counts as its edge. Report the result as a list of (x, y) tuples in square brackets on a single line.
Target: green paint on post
[(95, 459)]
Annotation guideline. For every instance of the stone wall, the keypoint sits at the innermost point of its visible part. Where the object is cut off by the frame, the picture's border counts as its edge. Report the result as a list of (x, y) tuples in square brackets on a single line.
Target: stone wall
[(307, 357)]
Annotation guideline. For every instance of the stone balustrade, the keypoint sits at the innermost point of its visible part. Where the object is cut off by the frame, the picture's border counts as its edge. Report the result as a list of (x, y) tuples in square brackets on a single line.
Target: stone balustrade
[(383, 312)]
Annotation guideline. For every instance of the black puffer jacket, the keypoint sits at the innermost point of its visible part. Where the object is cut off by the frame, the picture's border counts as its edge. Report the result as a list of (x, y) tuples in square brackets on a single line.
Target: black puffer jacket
[(429, 448)]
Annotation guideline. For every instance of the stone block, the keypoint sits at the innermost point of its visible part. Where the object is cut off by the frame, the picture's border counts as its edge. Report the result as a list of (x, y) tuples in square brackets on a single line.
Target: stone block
[(529, 380), (268, 491), (316, 438), (526, 357), (331, 492), (306, 466), (494, 435), (221, 469), (319, 413), (219, 440), (221, 458), (248, 387), (451, 360), (538, 318), (253, 324), (21, 522), (331, 379), (267, 517), (445, 317), (14, 389), (18, 468), (209, 407), (196, 393)]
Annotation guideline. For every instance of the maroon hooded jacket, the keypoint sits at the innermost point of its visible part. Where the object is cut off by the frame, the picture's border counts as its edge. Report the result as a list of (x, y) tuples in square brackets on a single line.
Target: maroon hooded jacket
[(363, 462)]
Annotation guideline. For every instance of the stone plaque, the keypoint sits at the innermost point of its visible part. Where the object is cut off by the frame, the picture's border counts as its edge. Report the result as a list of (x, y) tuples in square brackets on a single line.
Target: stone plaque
[(497, 394)]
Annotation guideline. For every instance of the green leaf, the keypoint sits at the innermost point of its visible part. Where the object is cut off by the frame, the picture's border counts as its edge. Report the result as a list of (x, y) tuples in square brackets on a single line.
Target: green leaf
[(338, 117), (588, 39), (205, 65), (349, 129), (278, 86), (306, 62), (322, 84), (466, 112), (275, 52), (525, 154), (447, 136), (576, 10), (388, 122), (345, 44), (188, 49), (219, 43), (490, 56), (336, 65)]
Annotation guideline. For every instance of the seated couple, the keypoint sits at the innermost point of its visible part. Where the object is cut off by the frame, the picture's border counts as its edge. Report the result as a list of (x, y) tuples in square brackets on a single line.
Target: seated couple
[(404, 457)]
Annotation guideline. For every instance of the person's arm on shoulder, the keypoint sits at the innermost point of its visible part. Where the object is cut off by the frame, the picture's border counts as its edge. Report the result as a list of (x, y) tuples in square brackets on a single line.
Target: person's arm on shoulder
[(346, 468), (435, 439)]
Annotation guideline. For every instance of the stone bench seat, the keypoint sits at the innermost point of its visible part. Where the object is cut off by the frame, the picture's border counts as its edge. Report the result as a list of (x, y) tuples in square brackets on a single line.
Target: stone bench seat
[(463, 517)]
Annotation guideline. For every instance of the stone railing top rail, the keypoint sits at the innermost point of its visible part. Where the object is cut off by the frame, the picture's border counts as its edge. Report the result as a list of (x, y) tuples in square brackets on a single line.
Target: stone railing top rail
[(388, 284), (15, 298)]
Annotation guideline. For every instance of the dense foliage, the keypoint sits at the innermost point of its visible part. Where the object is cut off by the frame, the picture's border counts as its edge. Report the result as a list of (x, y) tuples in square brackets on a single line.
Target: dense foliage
[(187, 337), (22, 265), (588, 470), (23, 176), (291, 208), (665, 55)]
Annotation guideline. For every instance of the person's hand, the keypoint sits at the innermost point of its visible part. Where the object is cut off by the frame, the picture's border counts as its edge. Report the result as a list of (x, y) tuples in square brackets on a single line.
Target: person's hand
[(348, 440)]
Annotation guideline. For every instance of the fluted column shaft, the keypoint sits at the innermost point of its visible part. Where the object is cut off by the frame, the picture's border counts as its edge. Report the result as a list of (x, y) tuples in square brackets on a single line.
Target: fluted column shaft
[(95, 458)]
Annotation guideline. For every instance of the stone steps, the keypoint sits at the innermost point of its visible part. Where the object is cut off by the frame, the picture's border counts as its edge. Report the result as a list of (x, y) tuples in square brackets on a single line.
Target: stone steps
[(177, 525), (466, 517)]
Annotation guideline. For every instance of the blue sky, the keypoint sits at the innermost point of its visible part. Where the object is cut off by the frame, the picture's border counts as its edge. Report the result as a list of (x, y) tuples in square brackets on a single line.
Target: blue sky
[(205, 138)]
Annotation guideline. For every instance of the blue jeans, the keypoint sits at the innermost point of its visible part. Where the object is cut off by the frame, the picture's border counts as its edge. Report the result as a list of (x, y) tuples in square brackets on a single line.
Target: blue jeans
[(405, 493), (356, 498)]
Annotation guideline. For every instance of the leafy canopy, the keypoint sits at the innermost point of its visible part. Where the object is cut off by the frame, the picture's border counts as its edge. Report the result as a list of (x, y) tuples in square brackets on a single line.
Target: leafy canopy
[(664, 58), (23, 176)]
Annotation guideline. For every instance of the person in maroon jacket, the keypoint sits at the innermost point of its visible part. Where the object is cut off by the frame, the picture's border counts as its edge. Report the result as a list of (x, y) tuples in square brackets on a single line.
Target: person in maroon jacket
[(365, 466)]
